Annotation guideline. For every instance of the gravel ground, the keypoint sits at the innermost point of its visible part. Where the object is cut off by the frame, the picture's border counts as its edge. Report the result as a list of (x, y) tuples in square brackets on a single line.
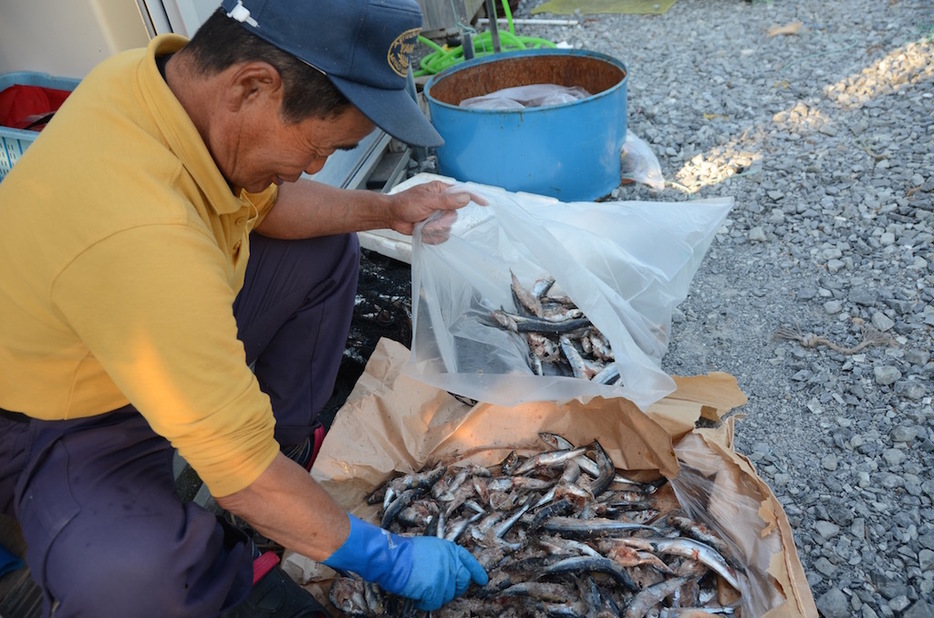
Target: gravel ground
[(825, 138)]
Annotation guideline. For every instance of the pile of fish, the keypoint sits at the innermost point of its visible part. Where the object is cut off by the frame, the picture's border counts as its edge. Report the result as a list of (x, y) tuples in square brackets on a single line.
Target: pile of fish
[(561, 533), (560, 338)]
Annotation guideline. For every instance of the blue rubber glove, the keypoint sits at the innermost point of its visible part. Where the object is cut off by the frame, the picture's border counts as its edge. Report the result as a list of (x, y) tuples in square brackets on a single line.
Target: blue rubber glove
[(429, 570)]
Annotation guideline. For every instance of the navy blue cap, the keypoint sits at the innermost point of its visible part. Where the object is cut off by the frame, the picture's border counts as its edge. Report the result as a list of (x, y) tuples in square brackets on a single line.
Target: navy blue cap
[(363, 46)]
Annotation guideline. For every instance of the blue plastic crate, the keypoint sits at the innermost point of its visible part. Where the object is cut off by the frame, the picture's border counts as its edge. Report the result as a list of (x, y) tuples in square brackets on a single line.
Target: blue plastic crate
[(13, 142)]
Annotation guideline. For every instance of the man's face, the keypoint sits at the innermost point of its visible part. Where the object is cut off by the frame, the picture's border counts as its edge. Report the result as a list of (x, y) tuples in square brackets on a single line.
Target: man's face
[(272, 151)]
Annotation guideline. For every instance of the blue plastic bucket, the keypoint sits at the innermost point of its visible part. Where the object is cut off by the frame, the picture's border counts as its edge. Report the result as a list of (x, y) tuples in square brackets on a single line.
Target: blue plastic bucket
[(569, 151)]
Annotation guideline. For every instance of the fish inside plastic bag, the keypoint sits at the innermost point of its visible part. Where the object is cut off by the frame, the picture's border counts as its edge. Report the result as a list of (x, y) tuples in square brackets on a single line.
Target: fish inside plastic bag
[(625, 265)]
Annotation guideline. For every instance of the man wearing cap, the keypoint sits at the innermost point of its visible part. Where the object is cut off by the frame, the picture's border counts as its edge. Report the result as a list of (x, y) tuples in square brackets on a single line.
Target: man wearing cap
[(170, 281)]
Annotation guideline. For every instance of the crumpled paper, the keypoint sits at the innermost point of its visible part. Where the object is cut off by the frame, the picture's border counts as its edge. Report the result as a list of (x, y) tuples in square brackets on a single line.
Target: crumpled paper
[(392, 424)]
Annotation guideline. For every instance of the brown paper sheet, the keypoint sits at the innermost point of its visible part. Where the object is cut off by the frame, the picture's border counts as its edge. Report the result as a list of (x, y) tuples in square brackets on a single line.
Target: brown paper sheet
[(392, 424), (709, 396)]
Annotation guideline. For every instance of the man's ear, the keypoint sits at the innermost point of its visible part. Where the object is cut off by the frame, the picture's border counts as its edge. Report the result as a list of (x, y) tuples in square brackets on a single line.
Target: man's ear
[(253, 82)]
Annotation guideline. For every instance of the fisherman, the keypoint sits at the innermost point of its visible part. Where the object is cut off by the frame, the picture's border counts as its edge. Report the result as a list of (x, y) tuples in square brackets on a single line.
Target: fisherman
[(133, 322)]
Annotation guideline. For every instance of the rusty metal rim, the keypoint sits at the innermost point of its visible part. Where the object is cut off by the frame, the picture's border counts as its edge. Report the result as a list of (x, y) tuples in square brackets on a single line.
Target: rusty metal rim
[(524, 55)]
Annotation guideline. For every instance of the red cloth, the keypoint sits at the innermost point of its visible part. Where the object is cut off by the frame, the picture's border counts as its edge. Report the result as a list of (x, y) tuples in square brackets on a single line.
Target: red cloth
[(22, 105), (319, 440), (263, 565)]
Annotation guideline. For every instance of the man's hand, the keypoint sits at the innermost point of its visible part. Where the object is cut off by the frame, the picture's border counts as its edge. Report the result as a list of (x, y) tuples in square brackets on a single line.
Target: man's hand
[(417, 203), (306, 209), (430, 570), (441, 570)]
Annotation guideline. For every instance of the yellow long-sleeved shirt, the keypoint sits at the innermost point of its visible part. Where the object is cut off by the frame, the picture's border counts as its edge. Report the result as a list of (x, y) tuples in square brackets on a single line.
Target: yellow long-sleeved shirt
[(122, 248)]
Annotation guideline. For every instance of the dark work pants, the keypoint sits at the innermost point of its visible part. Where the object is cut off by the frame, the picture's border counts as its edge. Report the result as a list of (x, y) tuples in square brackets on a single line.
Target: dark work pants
[(106, 532), (293, 317)]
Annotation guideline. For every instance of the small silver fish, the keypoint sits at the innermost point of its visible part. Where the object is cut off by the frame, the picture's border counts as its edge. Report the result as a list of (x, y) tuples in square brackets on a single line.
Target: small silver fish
[(525, 299), (591, 528), (648, 598), (542, 286), (549, 459), (578, 365), (688, 548), (590, 564)]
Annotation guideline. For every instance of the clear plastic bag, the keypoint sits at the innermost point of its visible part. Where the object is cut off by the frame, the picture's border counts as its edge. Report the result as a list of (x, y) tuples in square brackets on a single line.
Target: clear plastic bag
[(521, 97), (639, 164), (732, 502), (626, 265)]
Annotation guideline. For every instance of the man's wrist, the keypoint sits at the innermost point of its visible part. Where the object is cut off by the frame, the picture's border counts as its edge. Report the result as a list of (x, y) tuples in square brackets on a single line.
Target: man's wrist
[(375, 554)]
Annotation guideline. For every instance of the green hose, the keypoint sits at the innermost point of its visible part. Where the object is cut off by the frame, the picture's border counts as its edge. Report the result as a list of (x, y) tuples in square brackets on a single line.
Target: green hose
[(441, 58)]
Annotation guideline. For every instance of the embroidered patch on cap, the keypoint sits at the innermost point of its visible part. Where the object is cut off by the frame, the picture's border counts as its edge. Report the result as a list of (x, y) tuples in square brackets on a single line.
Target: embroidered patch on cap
[(401, 50)]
